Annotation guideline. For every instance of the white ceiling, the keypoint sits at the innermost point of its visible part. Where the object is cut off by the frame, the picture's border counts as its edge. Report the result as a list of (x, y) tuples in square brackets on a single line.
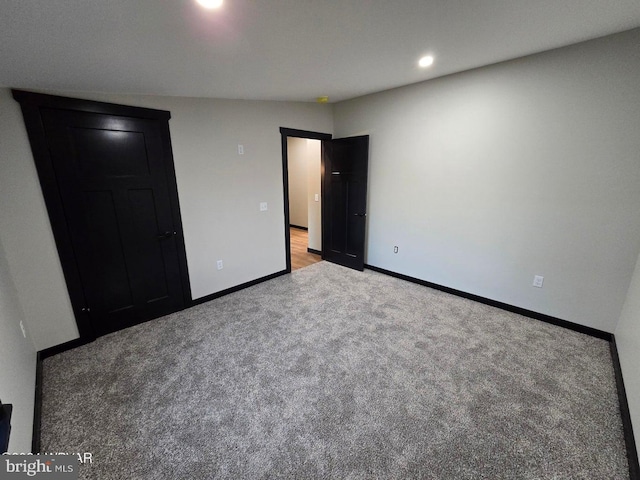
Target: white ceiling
[(280, 49)]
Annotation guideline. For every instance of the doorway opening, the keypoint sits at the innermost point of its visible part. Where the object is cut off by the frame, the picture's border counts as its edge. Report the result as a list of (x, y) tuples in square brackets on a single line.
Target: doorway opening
[(305, 208), (302, 165), (343, 196)]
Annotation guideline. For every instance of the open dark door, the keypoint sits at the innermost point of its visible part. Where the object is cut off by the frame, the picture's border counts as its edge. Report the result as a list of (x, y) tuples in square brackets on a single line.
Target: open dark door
[(108, 180), (344, 207)]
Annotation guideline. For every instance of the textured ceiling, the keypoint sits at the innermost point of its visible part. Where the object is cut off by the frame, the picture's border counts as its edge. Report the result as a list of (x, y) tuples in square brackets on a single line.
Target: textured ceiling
[(280, 49)]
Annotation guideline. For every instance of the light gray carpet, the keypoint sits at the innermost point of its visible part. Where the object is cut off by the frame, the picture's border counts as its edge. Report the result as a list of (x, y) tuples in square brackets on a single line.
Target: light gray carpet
[(332, 373)]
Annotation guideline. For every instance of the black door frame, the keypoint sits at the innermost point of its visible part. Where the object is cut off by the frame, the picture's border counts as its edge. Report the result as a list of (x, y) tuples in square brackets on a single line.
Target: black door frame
[(31, 104), (290, 132)]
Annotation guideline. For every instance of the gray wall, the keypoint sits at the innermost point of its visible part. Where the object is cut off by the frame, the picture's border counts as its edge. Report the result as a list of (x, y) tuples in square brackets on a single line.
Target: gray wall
[(18, 361), (26, 235), (628, 343), (486, 178), (219, 191)]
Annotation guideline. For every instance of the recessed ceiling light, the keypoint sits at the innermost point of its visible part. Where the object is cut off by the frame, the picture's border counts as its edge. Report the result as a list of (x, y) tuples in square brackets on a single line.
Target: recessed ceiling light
[(426, 61), (211, 4)]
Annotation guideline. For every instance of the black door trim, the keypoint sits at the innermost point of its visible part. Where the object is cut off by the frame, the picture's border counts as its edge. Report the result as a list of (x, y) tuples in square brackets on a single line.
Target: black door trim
[(31, 104), (290, 132)]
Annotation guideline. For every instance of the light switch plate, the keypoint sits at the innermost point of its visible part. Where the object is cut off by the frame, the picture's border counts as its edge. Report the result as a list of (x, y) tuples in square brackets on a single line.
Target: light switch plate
[(240, 149), (263, 206), (538, 280), (316, 197)]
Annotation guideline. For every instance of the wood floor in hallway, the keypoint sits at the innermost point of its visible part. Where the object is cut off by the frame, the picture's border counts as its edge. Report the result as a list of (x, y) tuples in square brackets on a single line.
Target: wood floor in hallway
[(300, 258)]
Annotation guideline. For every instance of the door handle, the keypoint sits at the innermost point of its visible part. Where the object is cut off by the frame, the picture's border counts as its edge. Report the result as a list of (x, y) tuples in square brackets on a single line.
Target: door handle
[(359, 214), (165, 235)]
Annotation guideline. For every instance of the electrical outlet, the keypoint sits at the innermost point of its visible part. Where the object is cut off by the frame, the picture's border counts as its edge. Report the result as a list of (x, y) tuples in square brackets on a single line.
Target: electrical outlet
[(316, 197), (263, 206), (220, 264), (24, 332), (240, 149), (538, 280)]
